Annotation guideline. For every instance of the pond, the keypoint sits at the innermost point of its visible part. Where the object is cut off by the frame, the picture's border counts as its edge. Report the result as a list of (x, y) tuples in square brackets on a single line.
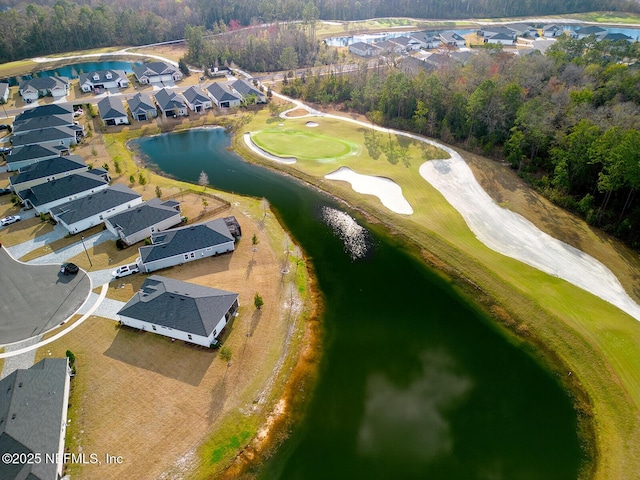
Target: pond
[(414, 383), (74, 70)]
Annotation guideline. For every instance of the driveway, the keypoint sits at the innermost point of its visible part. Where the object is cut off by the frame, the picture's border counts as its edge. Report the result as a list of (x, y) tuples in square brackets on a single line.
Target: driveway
[(34, 299), (18, 251), (77, 248)]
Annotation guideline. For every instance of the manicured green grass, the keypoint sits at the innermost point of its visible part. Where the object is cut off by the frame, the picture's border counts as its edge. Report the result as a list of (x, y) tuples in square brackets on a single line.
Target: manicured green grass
[(303, 144), (564, 326)]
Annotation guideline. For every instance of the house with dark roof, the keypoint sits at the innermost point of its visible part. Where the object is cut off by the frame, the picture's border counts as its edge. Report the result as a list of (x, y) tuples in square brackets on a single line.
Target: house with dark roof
[(425, 40), (112, 111), (4, 92), (222, 95), (47, 195), (136, 224), (33, 419), (21, 157), (552, 30), (500, 38), (197, 100), (439, 60), (103, 80), (142, 107), (616, 37), (170, 104), (584, 32), (52, 137), (452, 39), (50, 125), (47, 170), (186, 244), (407, 44), (41, 118), (35, 88), (157, 72), (523, 29), (45, 110), (246, 89), (180, 310), (85, 212)]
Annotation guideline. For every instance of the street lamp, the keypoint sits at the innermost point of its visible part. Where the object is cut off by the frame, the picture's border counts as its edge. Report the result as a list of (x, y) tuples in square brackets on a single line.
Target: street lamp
[(85, 250)]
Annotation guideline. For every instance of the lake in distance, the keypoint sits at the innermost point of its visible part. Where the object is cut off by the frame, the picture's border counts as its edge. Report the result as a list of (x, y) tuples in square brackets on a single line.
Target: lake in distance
[(414, 383)]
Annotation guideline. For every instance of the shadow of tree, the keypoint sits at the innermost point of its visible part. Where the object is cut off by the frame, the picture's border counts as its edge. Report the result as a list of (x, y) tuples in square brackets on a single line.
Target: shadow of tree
[(255, 319)]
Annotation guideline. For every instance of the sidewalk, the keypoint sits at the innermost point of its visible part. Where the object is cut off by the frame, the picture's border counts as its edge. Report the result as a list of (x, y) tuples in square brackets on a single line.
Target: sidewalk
[(18, 251)]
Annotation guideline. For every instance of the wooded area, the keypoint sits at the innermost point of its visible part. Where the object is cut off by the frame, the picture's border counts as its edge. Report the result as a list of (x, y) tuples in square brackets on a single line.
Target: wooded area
[(567, 121), (54, 26)]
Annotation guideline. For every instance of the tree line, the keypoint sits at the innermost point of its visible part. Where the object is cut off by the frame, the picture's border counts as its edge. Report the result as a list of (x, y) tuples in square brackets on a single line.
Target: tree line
[(53, 26), (567, 121)]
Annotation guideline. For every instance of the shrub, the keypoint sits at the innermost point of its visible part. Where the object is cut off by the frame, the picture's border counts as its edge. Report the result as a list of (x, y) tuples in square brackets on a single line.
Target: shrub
[(120, 245)]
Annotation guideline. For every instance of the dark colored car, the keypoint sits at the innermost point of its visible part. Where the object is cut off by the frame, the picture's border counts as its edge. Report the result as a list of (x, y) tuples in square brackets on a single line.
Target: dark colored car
[(69, 268), (5, 191), (4, 126)]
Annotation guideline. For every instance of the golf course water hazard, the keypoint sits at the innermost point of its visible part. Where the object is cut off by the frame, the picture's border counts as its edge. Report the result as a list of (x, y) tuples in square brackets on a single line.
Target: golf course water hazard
[(413, 383)]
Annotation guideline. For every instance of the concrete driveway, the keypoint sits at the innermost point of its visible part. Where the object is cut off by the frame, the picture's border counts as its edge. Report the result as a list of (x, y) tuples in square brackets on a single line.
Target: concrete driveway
[(34, 299)]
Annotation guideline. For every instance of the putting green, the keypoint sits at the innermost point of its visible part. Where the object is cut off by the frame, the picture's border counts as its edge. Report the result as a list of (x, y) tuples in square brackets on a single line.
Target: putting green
[(304, 145)]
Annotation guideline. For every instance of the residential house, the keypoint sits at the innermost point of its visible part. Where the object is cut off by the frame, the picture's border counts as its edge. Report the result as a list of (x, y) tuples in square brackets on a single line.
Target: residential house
[(523, 29), (21, 157), (584, 32), (186, 244), (452, 39), (157, 72), (461, 57), (4, 92), (387, 47), (439, 60), (47, 170), (35, 88), (112, 111), (85, 212), (222, 95), (103, 80), (45, 196), (552, 30), (500, 38), (51, 137), (616, 37), (49, 125), (46, 110), (136, 224), (33, 419), (406, 44), (363, 49), (246, 89), (142, 107), (180, 310), (43, 117), (170, 104), (488, 32), (197, 100), (425, 40)]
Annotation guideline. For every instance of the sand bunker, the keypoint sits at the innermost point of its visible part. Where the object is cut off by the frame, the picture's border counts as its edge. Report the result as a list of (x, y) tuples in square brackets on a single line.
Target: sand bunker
[(256, 149), (312, 124), (512, 235), (388, 191)]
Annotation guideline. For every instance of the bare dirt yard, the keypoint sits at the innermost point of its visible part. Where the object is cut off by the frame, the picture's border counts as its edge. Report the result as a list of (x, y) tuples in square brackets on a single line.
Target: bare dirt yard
[(154, 401)]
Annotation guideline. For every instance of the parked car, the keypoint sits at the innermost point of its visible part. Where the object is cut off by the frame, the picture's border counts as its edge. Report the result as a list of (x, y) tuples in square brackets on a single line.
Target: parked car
[(78, 112), (5, 191), (125, 270), (4, 126), (5, 150), (69, 269), (9, 220)]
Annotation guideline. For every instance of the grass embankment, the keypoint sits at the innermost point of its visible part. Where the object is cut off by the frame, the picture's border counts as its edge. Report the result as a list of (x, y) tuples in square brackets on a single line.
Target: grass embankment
[(210, 410), (565, 327)]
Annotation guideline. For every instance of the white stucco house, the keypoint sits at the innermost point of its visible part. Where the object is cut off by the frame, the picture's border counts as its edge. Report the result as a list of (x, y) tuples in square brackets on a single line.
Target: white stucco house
[(186, 244), (86, 212), (180, 310)]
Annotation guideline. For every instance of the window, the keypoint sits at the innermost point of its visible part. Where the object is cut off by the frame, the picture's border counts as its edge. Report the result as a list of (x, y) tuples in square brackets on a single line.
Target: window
[(154, 327), (189, 335), (186, 256), (193, 255)]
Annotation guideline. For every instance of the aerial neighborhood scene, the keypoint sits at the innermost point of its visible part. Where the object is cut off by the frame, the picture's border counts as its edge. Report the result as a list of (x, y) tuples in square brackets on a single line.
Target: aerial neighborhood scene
[(319, 240)]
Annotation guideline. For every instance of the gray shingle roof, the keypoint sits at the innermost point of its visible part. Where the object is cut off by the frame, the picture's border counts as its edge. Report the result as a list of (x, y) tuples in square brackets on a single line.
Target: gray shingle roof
[(102, 76), (142, 216), (451, 37), (63, 187), (591, 29), (168, 100), (43, 110), (31, 152), (31, 403), (154, 68), (43, 135), (111, 107), (187, 239), (222, 93), (179, 305), (195, 96), (42, 121), (44, 83), (141, 102), (82, 208), (48, 168), (245, 88)]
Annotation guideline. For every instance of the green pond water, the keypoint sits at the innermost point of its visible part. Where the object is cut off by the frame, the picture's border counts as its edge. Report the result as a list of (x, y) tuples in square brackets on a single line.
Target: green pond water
[(413, 383)]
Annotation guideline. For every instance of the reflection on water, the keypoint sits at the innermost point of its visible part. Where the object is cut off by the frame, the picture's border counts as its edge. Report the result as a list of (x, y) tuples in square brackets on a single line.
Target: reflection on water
[(345, 227), (408, 423)]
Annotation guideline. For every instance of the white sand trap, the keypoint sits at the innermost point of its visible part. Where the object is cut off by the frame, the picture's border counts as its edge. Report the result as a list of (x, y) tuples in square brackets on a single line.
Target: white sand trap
[(312, 124), (388, 191), (256, 149), (508, 233)]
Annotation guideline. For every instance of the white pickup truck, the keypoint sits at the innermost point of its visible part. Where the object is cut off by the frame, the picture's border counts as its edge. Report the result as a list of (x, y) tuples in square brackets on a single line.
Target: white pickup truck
[(125, 270)]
